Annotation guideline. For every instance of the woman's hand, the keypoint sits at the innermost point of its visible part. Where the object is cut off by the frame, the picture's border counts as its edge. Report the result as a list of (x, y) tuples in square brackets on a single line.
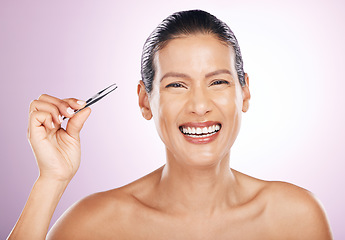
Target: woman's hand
[(57, 150)]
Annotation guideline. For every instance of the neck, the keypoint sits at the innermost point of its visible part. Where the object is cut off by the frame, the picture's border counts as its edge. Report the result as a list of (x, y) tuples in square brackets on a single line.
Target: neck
[(184, 188)]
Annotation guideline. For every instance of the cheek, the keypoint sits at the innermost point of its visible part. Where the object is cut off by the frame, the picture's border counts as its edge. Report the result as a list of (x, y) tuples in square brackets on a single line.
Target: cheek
[(169, 108), (230, 108), (228, 103), (167, 120)]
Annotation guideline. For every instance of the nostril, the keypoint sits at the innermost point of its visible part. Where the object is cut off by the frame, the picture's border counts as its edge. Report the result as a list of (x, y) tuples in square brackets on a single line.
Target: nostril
[(201, 109), (199, 102)]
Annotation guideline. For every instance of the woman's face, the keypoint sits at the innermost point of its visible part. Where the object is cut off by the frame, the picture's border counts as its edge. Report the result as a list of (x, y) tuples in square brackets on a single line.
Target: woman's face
[(196, 100)]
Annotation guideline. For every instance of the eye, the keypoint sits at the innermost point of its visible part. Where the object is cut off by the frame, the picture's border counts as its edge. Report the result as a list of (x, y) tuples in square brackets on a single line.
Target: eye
[(219, 82), (174, 85)]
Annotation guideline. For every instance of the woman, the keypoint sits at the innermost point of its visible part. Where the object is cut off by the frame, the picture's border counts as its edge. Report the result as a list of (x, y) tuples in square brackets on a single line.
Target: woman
[(194, 87)]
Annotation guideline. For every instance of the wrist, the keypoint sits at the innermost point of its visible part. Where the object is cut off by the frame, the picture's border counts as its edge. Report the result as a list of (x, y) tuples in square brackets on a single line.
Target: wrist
[(53, 184), (55, 178)]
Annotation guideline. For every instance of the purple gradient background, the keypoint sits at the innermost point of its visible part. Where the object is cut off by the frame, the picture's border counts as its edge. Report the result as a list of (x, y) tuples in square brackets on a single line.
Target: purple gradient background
[(294, 54)]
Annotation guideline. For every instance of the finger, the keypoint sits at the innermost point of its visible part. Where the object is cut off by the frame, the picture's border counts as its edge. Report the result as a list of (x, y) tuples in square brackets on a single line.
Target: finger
[(40, 123), (38, 105), (75, 103), (76, 123), (63, 106)]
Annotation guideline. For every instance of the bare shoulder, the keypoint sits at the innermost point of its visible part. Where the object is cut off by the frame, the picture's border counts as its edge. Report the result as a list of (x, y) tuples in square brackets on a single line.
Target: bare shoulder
[(295, 212), (290, 212), (89, 217), (103, 215)]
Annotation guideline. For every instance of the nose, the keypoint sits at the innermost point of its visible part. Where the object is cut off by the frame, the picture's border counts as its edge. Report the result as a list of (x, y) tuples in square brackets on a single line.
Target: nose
[(199, 102)]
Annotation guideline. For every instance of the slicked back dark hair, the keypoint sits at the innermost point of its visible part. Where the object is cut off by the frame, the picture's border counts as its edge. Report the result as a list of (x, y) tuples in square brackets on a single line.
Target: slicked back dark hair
[(181, 24)]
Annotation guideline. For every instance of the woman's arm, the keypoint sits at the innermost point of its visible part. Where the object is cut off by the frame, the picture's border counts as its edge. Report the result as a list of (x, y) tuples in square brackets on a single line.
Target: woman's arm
[(38, 211), (57, 152)]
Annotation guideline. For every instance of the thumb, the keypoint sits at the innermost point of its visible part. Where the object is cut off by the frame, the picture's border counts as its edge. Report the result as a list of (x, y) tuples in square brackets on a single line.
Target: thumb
[(76, 123)]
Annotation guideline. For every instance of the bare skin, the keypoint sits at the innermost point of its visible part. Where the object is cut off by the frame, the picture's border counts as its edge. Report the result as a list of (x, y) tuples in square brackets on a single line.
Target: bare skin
[(195, 195), (263, 210)]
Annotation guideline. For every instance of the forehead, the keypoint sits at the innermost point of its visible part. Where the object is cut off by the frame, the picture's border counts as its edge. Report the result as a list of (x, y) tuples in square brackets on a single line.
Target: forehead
[(194, 54)]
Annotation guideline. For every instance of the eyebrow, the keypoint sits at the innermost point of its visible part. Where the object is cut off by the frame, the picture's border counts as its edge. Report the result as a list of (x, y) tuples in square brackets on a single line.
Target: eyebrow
[(221, 71), (182, 75)]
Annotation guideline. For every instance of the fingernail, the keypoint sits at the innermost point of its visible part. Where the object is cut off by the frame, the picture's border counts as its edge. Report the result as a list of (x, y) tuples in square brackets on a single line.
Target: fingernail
[(60, 119), (53, 125), (81, 102), (70, 111)]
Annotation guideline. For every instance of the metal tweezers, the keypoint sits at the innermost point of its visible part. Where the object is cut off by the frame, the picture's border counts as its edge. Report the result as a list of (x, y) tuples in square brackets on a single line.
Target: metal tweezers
[(98, 96)]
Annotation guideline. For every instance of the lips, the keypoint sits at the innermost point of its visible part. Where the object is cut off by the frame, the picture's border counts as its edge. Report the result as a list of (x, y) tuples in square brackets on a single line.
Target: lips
[(204, 132)]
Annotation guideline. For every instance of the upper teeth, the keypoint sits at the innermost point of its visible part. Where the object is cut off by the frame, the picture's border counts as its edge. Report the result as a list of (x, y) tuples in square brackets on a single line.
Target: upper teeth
[(204, 130)]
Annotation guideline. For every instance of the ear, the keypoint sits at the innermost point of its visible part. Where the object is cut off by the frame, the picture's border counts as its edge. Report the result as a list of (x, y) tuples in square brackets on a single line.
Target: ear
[(246, 94), (144, 101)]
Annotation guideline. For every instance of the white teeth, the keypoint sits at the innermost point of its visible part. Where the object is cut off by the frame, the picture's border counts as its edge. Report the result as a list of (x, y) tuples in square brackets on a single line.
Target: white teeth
[(200, 132)]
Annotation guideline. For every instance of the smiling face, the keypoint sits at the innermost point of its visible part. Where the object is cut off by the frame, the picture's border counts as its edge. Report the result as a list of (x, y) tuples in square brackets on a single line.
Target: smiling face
[(197, 100)]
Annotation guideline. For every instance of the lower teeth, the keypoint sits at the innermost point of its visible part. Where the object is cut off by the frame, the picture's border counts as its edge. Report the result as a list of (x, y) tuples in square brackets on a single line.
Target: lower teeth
[(200, 135)]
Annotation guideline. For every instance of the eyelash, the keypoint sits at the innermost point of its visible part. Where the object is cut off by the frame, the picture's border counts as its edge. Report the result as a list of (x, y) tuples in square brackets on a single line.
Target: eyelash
[(217, 82), (179, 85), (174, 85)]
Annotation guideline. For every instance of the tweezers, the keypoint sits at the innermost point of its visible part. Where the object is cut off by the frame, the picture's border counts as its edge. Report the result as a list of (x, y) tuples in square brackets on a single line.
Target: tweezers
[(98, 96)]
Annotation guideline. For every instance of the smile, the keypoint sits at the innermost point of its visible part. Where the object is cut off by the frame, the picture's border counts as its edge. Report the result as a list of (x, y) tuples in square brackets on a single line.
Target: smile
[(200, 132)]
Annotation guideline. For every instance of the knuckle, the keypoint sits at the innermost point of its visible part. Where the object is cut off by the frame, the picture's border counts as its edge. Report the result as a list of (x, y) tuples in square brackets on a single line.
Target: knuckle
[(55, 111), (52, 108), (62, 104), (33, 103), (42, 96), (32, 114), (69, 101)]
